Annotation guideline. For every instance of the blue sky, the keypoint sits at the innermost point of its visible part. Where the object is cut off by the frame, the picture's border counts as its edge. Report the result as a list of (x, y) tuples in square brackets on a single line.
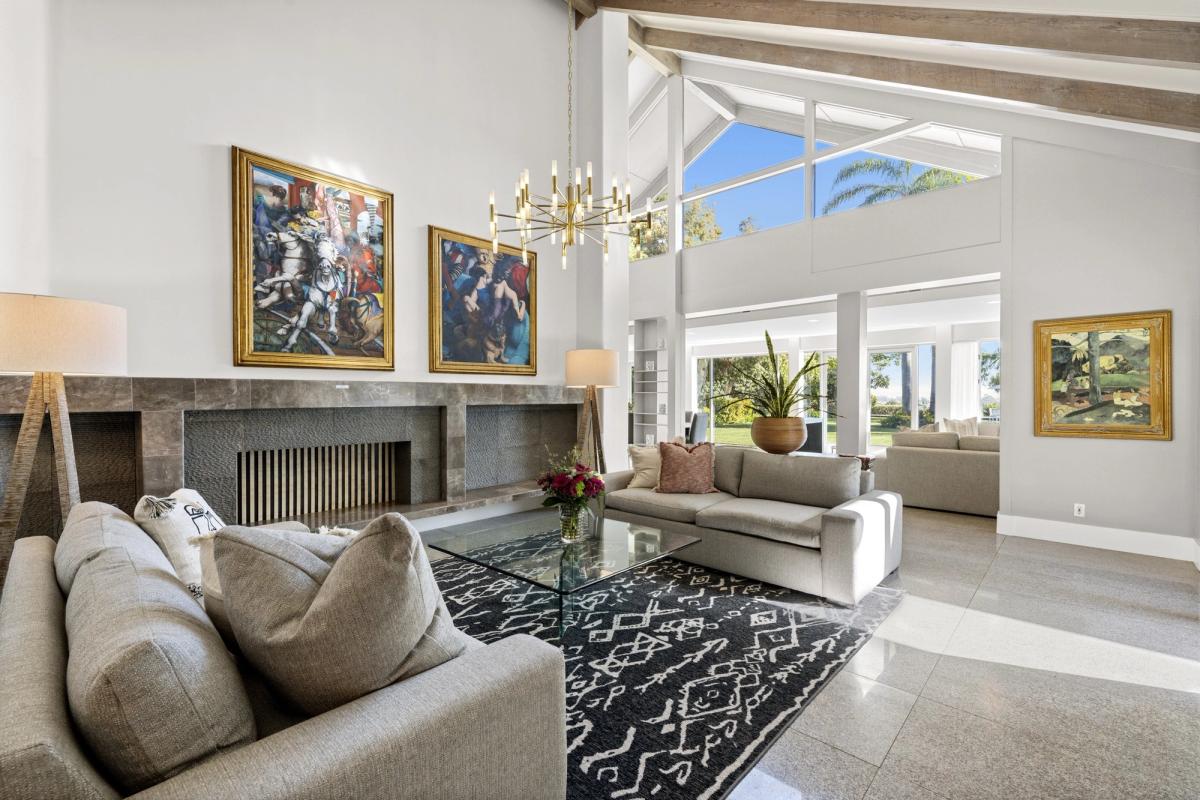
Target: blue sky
[(771, 202)]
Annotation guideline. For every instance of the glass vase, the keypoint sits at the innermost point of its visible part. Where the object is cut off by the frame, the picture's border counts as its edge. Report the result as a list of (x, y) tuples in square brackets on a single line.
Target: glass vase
[(570, 522)]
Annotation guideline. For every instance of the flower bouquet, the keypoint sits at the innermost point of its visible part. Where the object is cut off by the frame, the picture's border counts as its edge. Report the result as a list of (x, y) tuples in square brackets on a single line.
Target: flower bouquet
[(570, 485)]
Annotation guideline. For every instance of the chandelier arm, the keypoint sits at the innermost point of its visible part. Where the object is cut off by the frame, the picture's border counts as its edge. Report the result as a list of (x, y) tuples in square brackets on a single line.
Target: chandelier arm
[(539, 238)]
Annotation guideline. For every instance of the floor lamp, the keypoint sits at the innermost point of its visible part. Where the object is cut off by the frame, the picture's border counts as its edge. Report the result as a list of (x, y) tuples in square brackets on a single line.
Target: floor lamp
[(49, 336), (592, 369)]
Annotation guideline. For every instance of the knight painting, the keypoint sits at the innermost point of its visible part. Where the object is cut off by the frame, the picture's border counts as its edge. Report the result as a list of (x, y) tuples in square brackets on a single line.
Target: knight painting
[(313, 268), (483, 306)]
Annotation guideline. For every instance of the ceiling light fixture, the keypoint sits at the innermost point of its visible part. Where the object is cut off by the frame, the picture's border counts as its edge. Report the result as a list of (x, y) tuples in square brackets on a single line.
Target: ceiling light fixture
[(574, 215)]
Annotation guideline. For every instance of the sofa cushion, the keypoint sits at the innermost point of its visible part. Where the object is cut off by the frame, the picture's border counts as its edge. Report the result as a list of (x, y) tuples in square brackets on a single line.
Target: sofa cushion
[(649, 503), (941, 441), (173, 522), (328, 628), (822, 481), (686, 469), (149, 681), (989, 444), (727, 473), (92, 528), (646, 462), (40, 754), (790, 523)]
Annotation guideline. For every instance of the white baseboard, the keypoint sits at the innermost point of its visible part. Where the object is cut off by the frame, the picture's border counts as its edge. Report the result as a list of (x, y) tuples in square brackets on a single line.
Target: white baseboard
[(1144, 543)]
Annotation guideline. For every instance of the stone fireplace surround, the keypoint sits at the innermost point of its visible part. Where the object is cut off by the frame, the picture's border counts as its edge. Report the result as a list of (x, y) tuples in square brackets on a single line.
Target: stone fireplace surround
[(160, 407)]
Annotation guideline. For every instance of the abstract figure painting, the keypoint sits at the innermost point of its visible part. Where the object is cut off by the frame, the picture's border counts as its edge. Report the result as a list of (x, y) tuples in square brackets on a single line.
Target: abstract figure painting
[(1104, 377), (312, 268), (482, 306)]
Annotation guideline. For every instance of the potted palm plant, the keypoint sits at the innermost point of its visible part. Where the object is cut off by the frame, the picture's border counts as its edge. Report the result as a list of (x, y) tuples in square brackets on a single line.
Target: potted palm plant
[(774, 396)]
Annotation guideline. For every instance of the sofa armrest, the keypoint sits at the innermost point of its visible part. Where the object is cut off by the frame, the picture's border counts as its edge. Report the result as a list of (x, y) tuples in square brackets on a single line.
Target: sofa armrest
[(860, 544), (615, 481), (489, 723)]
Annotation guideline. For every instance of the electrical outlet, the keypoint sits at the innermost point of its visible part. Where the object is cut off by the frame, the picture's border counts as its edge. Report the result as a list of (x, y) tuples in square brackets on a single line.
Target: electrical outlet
[(1080, 510)]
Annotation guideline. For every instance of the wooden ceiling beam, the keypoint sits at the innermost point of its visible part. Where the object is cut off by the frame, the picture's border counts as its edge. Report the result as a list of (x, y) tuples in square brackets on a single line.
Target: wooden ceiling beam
[(666, 62), (1153, 106), (1159, 40)]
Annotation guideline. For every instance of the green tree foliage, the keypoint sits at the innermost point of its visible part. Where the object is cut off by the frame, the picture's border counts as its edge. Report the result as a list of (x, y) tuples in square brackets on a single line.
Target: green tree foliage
[(989, 369), (878, 179), (699, 226), (748, 225)]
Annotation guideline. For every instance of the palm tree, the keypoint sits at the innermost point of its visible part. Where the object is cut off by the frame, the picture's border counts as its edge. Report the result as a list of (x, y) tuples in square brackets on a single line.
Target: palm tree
[(895, 179)]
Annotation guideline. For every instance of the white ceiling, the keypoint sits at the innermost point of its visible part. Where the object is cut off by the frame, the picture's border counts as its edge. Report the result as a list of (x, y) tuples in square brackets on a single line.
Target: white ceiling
[(921, 314)]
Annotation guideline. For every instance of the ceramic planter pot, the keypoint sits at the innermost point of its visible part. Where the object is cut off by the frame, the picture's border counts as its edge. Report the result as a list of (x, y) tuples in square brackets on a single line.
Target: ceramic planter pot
[(779, 435)]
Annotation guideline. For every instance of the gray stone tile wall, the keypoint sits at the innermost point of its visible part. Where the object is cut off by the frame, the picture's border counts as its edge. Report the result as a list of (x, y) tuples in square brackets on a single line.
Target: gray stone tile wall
[(506, 444)]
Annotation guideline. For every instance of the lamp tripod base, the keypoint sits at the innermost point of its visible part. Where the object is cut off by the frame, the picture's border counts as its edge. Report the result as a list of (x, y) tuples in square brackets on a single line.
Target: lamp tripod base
[(591, 446), (47, 395)]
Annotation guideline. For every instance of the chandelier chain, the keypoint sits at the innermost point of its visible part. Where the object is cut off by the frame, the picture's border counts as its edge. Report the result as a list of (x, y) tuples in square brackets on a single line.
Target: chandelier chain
[(570, 88)]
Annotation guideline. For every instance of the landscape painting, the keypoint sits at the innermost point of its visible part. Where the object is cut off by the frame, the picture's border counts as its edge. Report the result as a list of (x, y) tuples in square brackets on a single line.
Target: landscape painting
[(1107, 377), (482, 306), (313, 268)]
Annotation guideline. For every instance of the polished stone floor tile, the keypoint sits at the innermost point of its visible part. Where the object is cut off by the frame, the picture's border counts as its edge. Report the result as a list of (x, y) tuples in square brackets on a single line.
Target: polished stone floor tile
[(921, 623), (1153, 734), (1103, 587), (893, 664), (1096, 558), (856, 715), (888, 785), (937, 577), (801, 768), (1153, 634), (1001, 637), (965, 757)]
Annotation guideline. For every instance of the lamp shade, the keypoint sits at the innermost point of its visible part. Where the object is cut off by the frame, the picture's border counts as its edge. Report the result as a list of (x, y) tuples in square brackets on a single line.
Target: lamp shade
[(53, 334), (597, 368)]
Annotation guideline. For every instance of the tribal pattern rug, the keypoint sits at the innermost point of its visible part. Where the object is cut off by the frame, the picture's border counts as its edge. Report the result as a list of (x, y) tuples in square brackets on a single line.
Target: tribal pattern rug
[(679, 678)]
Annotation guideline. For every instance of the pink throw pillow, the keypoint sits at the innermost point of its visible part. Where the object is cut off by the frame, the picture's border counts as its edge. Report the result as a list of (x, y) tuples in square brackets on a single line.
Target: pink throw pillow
[(686, 470)]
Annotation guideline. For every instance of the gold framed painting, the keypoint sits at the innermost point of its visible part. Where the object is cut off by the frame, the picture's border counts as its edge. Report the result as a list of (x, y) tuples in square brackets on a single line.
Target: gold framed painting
[(482, 306), (1106, 377), (312, 268)]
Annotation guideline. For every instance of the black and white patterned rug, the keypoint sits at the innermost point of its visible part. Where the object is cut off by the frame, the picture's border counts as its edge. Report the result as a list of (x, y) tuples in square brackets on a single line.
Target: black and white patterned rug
[(679, 678)]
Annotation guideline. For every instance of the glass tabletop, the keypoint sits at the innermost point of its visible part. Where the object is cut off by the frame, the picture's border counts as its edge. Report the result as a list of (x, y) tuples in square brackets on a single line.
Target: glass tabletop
[(528, 546)]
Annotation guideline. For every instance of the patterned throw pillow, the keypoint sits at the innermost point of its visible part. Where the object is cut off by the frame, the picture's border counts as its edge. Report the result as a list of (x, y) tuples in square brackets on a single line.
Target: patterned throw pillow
[(172, 522), (686, 470)]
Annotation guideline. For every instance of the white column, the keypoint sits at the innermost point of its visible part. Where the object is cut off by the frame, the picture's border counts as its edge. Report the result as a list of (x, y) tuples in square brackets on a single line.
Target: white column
[(602, 289), (943, 342), (676, 328), (795, 362), (853, 386)]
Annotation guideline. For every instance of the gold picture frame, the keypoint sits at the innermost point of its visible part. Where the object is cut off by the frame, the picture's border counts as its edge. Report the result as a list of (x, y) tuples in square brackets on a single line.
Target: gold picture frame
[(1106, 377), (485, 327), (312, 268)]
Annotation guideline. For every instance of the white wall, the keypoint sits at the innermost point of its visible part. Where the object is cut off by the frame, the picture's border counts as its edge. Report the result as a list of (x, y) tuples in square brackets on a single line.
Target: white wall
[(24, 75), (437, 102), (1096, 234)]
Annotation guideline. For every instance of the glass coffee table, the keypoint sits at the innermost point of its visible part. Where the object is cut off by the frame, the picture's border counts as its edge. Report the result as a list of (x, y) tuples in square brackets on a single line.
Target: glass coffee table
[(527, 546)]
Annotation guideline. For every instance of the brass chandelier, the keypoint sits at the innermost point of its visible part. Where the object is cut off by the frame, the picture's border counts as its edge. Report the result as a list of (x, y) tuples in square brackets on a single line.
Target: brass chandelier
[(575, 214)]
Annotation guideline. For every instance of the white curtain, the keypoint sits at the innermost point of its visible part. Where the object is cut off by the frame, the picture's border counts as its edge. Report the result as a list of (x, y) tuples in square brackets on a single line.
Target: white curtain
[(964, 380)]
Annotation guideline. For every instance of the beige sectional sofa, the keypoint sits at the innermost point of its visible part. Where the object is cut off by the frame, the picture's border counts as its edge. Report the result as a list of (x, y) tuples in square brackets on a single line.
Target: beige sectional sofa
[(943, 471), (207, 727), (806, 522)]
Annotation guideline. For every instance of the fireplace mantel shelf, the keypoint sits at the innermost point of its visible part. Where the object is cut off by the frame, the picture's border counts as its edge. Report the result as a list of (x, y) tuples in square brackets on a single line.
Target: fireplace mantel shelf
[(357, 517)]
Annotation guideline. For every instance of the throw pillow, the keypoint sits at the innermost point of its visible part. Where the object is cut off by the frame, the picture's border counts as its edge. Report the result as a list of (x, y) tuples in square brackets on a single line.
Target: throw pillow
[(172, 523), (214, 596), (646, 463), (989, 428), (963, 427), (324, 631), (686, 470)]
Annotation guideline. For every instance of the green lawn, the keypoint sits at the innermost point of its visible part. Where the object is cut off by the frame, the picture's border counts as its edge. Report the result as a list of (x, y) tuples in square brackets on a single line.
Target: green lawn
[(740, 434)]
